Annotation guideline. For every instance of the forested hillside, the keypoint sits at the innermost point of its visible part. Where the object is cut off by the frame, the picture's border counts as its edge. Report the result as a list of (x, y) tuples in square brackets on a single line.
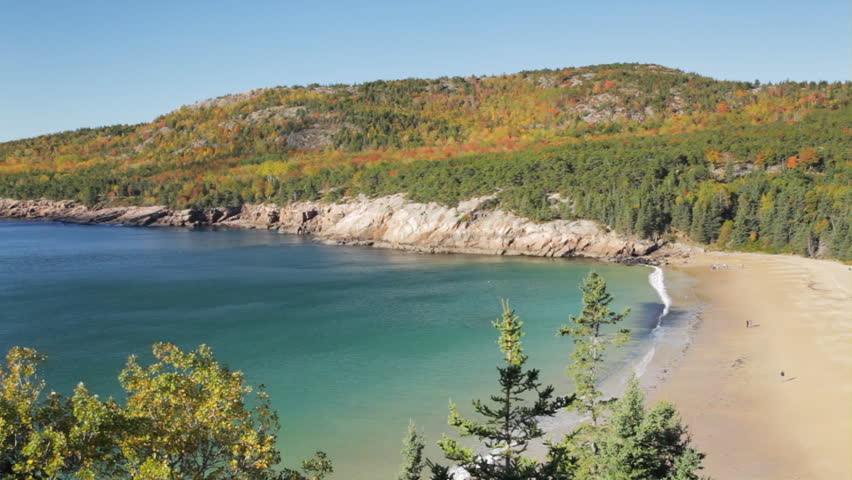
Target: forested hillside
[(641, 148)]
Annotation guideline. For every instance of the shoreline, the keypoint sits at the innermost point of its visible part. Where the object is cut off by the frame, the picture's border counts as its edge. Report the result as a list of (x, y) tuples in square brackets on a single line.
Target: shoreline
[(724, 378), (728, 387), (638, 279), (657, 281), (652, 360), (471, 227)]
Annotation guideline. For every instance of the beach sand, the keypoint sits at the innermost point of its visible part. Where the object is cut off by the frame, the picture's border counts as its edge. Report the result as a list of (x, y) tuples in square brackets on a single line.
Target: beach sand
[(728, 387)]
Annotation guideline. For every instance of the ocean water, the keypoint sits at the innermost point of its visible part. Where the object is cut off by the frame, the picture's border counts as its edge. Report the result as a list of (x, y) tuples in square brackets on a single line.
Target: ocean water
[(350, 342)]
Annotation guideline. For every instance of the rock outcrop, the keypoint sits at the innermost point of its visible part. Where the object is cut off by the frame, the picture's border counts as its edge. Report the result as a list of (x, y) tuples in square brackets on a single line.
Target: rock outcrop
[(387, 222)]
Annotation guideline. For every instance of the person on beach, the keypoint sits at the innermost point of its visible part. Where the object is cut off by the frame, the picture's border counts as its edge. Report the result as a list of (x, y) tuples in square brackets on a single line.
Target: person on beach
[(782, 375)]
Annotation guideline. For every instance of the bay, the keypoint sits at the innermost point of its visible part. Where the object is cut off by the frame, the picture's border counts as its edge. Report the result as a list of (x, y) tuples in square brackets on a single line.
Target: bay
[(350, 342)]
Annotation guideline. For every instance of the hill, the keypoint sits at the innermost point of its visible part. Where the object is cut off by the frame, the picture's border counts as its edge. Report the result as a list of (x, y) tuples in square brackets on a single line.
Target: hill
[(643, 149)]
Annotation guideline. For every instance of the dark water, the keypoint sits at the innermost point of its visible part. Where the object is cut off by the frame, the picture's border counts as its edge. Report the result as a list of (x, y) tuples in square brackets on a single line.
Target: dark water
[(350, 342)]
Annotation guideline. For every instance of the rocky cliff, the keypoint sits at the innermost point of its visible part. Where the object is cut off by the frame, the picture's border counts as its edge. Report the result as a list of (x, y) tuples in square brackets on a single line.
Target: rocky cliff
[(388, 222)]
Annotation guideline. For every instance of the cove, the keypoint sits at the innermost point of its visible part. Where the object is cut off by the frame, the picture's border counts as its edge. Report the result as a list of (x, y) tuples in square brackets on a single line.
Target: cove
[(350, 342)]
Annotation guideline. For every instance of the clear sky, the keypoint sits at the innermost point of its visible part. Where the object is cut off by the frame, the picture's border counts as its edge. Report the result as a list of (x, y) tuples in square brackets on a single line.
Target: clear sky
[(72, 64)]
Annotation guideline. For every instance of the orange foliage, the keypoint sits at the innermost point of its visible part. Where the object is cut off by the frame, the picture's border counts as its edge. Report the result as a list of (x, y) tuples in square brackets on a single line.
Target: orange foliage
[(792, 161), (412, 120), (761, 158), (808, 156)]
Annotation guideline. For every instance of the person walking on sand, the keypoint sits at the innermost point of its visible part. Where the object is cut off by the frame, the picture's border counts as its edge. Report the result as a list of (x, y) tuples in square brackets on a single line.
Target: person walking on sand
[(782, 375)]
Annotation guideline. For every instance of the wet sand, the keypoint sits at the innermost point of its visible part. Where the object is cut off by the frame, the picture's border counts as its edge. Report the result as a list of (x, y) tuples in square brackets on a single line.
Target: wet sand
[(728, 387)]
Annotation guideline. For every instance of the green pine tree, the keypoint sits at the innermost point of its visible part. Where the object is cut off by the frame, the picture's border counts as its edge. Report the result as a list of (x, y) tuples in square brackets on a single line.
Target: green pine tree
[(578, 453), (412, 453), (512, 421), (590, 344), (640, 444)]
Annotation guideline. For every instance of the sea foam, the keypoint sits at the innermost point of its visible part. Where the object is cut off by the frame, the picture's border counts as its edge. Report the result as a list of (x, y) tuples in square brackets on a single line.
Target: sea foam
[(657, 281)]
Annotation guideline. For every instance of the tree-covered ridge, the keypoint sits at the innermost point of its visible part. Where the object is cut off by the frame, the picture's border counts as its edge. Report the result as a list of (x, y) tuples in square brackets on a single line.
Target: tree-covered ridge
[(640, 148), (479, 114)]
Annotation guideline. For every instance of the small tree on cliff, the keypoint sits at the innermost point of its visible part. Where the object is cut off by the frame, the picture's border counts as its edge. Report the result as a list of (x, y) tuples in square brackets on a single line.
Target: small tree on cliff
[(511, 423)]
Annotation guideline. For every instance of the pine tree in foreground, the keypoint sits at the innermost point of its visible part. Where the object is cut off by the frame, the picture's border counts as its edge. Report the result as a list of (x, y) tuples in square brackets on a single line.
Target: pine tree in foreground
[(578, 455), (590, 345), (412, 453), (621, 440), (640, 444), (511, 422)]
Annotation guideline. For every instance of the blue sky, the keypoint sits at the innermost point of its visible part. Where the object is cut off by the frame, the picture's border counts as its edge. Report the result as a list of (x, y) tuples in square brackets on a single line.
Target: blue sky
[(67, 65)]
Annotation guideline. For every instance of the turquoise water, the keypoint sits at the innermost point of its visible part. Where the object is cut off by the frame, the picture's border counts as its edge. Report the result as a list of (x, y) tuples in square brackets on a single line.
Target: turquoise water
[(350, 342)]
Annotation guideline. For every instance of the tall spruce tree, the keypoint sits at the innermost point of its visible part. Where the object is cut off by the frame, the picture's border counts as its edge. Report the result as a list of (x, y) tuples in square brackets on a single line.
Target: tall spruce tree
[(746, 222), (590, 344), (512, 421), (578, 455), (412, 454)]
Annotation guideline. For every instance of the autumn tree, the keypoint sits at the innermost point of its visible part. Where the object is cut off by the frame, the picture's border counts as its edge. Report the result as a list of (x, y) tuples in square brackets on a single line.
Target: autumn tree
[(187, 416), (31, 445), (191, 419), (52, 437), (808, 157)]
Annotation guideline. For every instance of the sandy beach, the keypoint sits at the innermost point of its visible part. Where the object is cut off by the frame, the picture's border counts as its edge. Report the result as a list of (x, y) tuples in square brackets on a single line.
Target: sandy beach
[(728, 387)]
